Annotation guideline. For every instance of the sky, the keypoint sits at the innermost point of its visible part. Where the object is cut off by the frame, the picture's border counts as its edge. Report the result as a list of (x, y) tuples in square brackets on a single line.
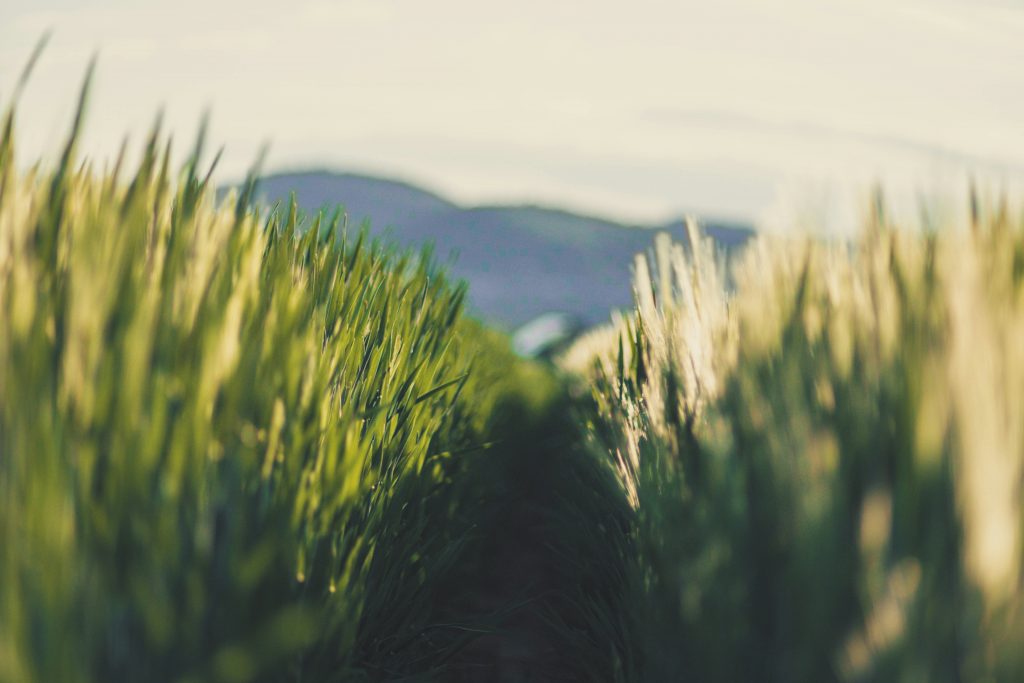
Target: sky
[(757, 110)]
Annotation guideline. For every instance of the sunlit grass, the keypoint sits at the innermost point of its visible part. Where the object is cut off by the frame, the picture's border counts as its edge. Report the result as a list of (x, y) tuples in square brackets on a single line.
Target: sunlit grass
[(826, 465), (239, 443), (229, 443)]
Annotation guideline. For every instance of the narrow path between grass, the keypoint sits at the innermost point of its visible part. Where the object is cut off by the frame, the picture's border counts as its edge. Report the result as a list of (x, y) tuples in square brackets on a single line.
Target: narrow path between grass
[(547, 561)]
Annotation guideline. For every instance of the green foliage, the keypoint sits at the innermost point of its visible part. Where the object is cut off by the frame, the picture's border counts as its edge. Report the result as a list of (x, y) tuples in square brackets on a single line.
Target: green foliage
[(825, 467), (247, 445), (227, 443)]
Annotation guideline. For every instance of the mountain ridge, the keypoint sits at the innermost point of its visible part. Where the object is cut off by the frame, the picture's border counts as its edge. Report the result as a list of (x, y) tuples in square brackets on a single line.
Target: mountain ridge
[(520, 260)]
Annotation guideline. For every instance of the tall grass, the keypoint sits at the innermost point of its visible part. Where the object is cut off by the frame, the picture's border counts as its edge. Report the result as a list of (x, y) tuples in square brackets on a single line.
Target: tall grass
[(230, 444), (826, 466), (240, 444)]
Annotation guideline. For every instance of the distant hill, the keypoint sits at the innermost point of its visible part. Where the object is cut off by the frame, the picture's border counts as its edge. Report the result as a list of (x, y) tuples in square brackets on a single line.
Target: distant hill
[(520, 261)]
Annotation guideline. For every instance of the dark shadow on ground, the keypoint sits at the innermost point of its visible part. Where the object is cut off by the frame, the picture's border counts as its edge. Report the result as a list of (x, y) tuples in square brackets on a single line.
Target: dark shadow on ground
[(543, 576)]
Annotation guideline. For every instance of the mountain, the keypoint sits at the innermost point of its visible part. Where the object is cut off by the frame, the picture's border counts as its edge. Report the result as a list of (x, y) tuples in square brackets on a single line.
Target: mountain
[(520, 261)]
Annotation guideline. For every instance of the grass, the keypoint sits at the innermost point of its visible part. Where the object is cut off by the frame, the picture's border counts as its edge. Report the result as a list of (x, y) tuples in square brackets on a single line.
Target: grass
[(233, 445), (240, 443), (826, 466)]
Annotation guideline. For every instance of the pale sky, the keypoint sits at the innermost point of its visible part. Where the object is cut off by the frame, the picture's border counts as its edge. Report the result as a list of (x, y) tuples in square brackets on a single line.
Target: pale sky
[(749, 109)]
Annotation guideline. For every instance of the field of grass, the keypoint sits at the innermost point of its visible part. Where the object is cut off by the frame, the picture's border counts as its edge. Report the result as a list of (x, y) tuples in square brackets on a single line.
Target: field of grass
[(238, 443), (825, 465), (236, 446)]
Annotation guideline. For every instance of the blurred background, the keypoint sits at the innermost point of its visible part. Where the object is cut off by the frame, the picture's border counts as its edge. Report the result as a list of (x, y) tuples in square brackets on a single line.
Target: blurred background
[(531, 138)]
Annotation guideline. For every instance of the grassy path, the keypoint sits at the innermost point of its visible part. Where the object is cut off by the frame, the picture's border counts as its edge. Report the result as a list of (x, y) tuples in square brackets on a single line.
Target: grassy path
[(548, 558)]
